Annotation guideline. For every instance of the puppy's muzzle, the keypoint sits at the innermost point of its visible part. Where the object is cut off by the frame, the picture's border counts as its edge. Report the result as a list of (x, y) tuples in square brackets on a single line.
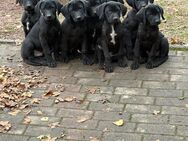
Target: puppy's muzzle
[(29, 6), (116, 19)]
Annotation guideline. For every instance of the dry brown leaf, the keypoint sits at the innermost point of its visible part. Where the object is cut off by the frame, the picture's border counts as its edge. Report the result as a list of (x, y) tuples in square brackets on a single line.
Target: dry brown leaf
[(119, 122), (92, 90), (70, 99), (54, 125), (83, 119), (27, 94), (14, 113), (5, 126), (156, 112), (94, 139), (39, 113), (46, 138), (27, 120), (35, 101)]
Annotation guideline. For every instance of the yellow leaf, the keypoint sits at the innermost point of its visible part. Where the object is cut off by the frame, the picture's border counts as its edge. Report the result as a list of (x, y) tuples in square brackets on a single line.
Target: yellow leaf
[(119, 122), (45, 119), (27, 94)]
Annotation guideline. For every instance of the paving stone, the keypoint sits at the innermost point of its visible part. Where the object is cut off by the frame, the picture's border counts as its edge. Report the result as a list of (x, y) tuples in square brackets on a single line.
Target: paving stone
[(73, 105), (98, 89), (46, 111), (182, 131), (182, 53), (156, 129), (17, 129), (171, 102), (153, 77), (110, 127), (5, 137), (78, 96), (169, 110), (126, 76), (39, 130), (186, 94), (162, 138), (70, 113), (92, 81), (182, 86), (131, 108), (84, 74), (126, 83), (126, 99), (69, 80), (121, 137), (143, 70), (178, 78), (178, 71), (36, 120), (166, 93), (102, 115), (176, 59), (159, 85), (103, 98), (76, 134), (179, 120), (72, 87), (106, 107), (147, 118), (130, 91), (45, 103), (74, 123), (14, 119)]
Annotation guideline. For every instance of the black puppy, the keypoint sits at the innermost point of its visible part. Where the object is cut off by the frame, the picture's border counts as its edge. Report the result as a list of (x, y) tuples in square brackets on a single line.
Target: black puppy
[(44, 36), (29, 16), (151, 45), (130, 24), (74, 27), (110, 41)]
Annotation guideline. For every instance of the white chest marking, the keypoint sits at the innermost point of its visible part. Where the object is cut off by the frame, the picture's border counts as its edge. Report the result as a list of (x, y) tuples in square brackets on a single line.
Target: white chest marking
[(113, 35), (27, 26)]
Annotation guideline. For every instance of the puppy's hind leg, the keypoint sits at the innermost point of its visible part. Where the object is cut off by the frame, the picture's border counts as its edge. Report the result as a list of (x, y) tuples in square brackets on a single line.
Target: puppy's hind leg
[(27, 53), (163, 57)]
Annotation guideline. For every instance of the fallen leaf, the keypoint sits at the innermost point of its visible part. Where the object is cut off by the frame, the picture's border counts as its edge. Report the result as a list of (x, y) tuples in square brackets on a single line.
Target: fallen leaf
[(14, 113), (119, 122), (181, 98), (94, 139), (92, 90), (39, 113), (155, 112), (5, 126), (54, 125), (45, 119), (27, 94), (83, 119), (35, 101), (27, 120), (69, 99), (186, 105), (46, 138)]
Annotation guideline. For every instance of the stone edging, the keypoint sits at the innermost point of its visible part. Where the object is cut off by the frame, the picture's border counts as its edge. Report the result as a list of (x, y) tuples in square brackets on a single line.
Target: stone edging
[(7, 41)]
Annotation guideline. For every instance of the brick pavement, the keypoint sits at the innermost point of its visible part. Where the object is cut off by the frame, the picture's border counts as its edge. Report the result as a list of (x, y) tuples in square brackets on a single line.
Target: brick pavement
[(134, 96)]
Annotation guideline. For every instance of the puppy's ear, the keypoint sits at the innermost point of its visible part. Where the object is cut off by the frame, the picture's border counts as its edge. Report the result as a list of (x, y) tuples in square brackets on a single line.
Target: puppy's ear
[(123, 9), (38, 7), (86, 6), (20, 2), (100, 10), (58, 6), (65, 11), (141, 15), (161, 11), (151, 1), (131, 3), (121, 1)]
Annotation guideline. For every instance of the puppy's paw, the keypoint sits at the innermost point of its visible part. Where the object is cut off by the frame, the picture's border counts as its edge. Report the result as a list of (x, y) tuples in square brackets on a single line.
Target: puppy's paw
[(108, 69), (101, 66), (87, 61), (135, 65), (122, 63), (149, 65), (64, 58), (52, 64)]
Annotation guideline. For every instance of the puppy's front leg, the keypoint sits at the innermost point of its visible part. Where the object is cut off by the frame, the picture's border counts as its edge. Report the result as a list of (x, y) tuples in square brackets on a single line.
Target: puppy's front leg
[(85, 57), (135, 65), (122, 60), (47, 52), (152, 55), (107, 63)]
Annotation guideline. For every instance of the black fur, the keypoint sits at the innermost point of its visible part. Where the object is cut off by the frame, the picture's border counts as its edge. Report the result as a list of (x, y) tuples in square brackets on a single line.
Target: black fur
[(44, 37), (111, 46), (151, 46)]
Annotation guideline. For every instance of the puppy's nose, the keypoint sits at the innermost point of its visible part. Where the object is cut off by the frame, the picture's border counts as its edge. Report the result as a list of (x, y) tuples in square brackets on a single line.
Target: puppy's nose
[(49, 16), (157, 21), (78, 18), (115, 19)]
